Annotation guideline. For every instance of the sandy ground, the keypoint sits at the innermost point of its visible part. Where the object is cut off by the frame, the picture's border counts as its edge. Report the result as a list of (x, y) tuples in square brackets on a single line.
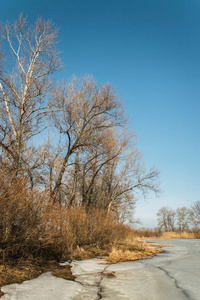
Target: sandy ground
[(172, 275)]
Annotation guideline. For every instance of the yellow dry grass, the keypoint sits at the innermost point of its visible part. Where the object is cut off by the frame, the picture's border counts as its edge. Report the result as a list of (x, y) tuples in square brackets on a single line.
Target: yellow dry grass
[(174, 235), (133, 249), (64, 272), (178, 235), (118, 255)]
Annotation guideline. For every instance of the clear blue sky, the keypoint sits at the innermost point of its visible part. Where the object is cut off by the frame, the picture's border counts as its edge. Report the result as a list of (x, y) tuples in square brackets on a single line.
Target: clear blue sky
[(150, 51)]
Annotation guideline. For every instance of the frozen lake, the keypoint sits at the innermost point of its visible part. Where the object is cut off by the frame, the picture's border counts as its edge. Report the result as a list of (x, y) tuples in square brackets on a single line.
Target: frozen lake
[(174, 274)]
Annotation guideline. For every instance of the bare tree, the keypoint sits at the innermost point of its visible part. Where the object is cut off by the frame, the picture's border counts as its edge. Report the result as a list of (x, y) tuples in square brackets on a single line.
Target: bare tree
[(125, 177), (196, 214), (84, 112), (166, 218), (99, 162), (25, 84), (183, 218)]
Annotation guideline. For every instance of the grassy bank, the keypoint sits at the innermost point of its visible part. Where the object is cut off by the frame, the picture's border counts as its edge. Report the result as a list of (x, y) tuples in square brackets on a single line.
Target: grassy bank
[(65, 234), (36, 233), (125, 249)]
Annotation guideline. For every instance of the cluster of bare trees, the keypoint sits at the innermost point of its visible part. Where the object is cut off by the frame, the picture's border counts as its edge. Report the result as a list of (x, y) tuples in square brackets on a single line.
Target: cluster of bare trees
[(70, 138), (180, 219)]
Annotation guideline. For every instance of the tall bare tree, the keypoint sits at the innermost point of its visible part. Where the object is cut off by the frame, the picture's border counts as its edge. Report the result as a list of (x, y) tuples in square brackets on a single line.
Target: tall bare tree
[(183, 218), (98, 163), (196, 214), (124, 176), (25, 84), (166, 218)]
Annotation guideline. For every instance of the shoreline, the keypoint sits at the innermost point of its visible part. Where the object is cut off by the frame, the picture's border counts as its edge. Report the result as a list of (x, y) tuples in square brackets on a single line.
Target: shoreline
[(28, 270)]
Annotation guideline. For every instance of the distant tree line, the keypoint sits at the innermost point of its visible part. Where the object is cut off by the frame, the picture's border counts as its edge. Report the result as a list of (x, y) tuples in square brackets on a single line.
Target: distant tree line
[(181, 219)]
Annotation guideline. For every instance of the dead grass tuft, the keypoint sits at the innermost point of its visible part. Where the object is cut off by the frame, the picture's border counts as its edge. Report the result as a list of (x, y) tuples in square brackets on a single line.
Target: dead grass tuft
[(109, 274), (118, 255), (64, 272), (133, 249)]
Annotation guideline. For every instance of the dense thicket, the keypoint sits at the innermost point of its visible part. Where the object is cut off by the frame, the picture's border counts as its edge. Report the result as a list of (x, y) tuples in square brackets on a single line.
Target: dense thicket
[(31, 226)]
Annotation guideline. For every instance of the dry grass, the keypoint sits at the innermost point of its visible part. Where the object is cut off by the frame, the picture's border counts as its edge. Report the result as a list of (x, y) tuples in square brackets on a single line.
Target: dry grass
[(64, 272), (178, 235), (130, 248), (120, 255), (89, 251), (109, 274), (152, 234), (175, 235)]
